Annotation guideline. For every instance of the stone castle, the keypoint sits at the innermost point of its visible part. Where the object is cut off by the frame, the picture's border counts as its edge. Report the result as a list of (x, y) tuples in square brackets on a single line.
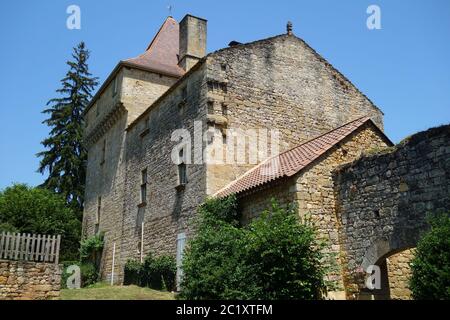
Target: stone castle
[(144, 200)]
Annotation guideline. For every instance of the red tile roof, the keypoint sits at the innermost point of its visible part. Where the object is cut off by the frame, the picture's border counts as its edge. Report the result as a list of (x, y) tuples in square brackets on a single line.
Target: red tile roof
[(162, 53), (292, 161)]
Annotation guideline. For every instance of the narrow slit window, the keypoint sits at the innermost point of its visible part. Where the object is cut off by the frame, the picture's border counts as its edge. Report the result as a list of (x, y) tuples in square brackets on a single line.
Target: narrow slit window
[(144, 180)]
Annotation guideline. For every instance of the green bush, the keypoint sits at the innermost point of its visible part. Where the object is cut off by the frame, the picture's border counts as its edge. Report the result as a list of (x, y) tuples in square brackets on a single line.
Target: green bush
[(157, 273), (91, 249), (89, 274), (133, 273), (430, 278), (7, 227), (276, 257), (36, 210)]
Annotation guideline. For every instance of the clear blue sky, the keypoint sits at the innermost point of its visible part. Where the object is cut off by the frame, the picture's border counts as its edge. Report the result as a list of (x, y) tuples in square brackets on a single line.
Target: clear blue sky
[(404, 67)]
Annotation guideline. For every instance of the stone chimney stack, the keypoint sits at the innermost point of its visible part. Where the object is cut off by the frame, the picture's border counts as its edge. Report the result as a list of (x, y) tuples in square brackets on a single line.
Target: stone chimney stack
[(192, 41)]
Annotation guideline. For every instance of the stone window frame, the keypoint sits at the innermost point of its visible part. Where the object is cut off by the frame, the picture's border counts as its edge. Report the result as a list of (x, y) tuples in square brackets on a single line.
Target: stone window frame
[(184, 97), (146, 130), (98, 215), (103, 154), (182, 171), (143, 188), (114, 87)]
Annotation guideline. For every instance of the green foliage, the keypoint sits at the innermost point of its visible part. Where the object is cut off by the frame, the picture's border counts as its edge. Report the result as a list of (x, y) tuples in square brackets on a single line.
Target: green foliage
[(65, 156), (133, 273), (157, 273), (36, 210), (7, 227), (91, 249), (89, 274), (275, 257), (430, 278), (220, 209)]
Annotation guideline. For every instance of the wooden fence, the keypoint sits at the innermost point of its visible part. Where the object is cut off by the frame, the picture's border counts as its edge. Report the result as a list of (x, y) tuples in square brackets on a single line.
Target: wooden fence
[(27, 247)]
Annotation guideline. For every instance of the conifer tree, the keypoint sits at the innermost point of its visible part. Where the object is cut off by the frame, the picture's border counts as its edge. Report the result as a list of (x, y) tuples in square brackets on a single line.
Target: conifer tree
[(65, 156)]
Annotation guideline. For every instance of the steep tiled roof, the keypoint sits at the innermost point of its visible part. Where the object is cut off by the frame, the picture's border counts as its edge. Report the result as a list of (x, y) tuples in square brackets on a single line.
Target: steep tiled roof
[(162, 53), (289, 163)]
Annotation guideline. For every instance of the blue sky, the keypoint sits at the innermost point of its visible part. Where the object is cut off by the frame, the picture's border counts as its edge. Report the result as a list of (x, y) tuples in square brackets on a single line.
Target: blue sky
[(404, 68)]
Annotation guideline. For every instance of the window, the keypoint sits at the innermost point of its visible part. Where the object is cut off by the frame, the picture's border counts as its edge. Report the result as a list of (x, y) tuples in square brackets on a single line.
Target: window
[(182, 176), (114, 87), (146, 127), (184, 96), (224, 109), (97, 109), (97, 216), (103, 159), (210, 107), (144, 186)]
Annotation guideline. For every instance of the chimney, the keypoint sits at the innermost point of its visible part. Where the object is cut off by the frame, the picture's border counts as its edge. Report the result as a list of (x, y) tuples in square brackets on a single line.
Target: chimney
[(192, 41)]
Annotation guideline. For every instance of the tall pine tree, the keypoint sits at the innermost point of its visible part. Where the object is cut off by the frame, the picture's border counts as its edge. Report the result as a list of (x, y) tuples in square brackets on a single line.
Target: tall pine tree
[(65, 157)]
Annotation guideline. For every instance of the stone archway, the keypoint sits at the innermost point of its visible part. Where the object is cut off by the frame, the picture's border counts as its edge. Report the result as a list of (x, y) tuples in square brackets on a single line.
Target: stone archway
[(394, 270)]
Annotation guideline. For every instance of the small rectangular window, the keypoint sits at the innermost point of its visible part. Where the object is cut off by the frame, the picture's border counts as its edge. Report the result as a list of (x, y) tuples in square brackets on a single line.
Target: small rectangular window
[(98, 215), (182, 174), (144, 186), (184, 97), (114, 87), (103, 159)]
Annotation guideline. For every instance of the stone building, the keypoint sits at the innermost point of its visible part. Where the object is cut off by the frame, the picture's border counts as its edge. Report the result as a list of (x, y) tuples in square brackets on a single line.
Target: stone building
[(151, 126)]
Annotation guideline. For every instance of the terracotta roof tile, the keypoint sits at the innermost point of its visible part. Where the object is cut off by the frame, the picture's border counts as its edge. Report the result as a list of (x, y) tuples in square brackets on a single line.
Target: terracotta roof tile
[(290, 162), (162, 53)]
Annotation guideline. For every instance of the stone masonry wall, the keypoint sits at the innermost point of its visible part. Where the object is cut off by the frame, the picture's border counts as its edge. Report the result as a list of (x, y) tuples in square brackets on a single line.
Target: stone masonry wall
[(21, 280), (399, 273), (169, 207), (312, 190), (106, 179), (382, 200), (279, 83)]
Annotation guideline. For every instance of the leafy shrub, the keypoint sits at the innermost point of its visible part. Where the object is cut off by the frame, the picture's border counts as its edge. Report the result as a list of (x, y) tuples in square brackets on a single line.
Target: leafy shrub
[(91, 249), (133, 273), (36, 210), (276, 257), (430, 278), (157, 273), (89, 274), (7, 227)]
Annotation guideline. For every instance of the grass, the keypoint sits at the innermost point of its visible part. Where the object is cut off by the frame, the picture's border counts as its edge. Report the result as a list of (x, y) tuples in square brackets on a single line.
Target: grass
[(103, 291)]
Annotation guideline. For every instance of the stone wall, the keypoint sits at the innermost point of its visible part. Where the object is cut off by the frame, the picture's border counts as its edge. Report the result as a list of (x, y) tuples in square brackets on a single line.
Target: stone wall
[(105, 178), (382, 200), (280, 83), (20, 280), (312, 191), (399, 273), (169, 206)]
